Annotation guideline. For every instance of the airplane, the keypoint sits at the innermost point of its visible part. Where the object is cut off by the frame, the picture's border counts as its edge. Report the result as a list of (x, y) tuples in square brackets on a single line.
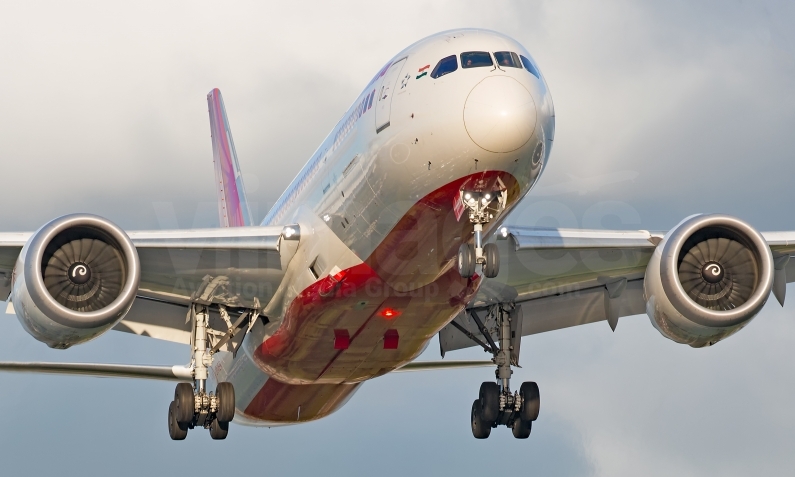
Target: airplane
[(397, 230)]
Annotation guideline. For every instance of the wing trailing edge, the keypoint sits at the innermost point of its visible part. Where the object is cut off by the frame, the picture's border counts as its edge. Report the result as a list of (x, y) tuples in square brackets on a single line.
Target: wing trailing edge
[(166, 373)]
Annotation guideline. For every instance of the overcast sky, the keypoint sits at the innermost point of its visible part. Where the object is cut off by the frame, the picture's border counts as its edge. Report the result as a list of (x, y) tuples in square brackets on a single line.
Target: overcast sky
[(664, 109)]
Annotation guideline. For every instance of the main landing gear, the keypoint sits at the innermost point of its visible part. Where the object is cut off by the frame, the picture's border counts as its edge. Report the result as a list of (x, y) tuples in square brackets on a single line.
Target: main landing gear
[(496, 405), (481, 209), (193, 406)]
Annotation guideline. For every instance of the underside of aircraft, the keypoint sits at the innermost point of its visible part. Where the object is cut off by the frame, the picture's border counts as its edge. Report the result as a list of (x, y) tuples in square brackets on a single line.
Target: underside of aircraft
[(397, 230)]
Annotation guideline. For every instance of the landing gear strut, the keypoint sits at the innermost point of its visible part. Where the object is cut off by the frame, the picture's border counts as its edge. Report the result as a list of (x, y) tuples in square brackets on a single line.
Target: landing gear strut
[(496, 404), (482, 208), (192, 405)]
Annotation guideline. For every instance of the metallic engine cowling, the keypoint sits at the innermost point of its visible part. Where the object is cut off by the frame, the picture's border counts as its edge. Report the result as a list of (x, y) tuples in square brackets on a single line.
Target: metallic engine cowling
[(707, 279), (75, 278)]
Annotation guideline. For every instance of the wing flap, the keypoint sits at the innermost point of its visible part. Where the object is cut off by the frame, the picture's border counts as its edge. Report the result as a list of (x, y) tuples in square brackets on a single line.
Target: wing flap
[(551, 313), (237, 267)]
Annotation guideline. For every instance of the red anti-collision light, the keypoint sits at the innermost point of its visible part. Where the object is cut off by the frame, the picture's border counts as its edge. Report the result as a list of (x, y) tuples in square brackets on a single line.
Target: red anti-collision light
[(390, 313)]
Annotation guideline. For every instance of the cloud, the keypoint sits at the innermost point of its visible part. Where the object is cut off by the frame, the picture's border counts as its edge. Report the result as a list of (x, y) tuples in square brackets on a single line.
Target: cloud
[(104, 111)]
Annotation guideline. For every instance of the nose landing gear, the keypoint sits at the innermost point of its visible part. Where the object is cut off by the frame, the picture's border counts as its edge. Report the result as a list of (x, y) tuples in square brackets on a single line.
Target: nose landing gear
[(482, 208)]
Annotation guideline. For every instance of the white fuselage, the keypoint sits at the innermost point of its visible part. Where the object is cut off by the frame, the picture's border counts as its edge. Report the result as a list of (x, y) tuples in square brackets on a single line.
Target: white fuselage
[(375, 203)]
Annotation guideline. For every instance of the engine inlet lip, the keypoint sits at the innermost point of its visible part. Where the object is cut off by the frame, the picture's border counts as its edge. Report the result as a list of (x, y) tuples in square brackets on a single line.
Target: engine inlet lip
[(669, 271), (41, 296)]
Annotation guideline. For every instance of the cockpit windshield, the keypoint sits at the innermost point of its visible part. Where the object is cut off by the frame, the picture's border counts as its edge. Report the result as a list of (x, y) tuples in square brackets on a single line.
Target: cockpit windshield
[(476, 59), (507, 58), (529, 66), (445, 65)]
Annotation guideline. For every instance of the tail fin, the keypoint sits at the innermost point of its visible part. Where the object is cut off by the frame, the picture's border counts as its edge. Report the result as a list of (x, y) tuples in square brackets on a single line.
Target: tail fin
[(232, 205)]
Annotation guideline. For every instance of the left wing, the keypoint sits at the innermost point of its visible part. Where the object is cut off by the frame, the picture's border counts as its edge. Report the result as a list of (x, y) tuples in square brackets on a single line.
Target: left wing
[(570, 277)]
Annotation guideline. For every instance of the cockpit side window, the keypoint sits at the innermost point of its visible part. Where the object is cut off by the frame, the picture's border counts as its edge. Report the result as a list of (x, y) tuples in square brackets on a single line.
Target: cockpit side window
[(476, 59), (529, 66), (445, 65), (508, 59)]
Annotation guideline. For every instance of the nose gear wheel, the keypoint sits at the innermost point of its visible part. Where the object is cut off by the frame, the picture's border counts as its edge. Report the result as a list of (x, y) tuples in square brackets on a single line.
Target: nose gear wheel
[(483, 206)]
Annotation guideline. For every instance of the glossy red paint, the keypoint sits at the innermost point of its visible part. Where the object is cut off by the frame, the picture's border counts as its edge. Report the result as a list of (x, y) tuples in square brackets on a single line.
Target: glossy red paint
[(411, 272), (342, 340), (391, 339), (286, 403)]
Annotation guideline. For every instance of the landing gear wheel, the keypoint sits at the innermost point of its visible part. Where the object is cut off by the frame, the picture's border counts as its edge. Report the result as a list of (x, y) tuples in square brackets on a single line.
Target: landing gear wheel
[(466, 260), (219, 430), (225, 393), (491, 267), (531, 401), (480, 428), (184, 402), (521, 428), (176, 430), (489, 401)]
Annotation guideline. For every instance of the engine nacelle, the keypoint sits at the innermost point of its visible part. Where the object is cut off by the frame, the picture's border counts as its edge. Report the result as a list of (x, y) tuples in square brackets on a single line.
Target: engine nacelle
[(75, 278), (707, 279)]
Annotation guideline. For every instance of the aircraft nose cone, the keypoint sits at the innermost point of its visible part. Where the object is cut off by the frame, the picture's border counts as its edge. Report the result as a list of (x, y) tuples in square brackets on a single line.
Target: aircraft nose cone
[(500, 114)]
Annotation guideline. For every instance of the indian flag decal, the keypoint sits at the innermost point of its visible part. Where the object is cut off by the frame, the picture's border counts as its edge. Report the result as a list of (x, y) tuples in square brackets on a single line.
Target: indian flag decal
[(422, 71)]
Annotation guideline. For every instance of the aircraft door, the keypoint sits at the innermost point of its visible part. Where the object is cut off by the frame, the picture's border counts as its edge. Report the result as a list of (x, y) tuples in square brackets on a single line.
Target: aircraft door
[(383, 105)]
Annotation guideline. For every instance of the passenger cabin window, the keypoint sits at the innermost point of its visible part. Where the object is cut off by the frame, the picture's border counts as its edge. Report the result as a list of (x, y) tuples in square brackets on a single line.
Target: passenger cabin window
[(529, 66), (445, 65), (476, 59), (507, 58)]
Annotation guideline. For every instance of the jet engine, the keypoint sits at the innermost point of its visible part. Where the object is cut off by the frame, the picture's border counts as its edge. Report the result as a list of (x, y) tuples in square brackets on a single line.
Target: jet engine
[(75, 278), (708, 278)]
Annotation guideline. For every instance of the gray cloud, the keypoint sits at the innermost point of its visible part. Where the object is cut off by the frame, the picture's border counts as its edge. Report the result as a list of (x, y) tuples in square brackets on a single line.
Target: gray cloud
[(104, 111)]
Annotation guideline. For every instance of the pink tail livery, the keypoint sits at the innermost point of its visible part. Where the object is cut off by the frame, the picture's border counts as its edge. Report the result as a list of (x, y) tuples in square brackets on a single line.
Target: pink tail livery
[(233, 208)]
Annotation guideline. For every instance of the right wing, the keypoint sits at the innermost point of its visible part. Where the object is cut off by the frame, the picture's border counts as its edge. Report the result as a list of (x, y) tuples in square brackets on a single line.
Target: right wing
[(240, 267)]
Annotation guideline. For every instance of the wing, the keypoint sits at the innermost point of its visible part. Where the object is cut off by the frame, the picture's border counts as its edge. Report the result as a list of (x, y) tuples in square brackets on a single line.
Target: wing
[(240, 267), (570, 277)]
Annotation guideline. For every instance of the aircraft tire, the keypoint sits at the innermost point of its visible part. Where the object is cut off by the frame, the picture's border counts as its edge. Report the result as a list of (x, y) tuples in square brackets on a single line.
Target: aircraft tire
[(466, 260), (176, 431), (184, 402), (489, 401), (521, 428), (492, 255), (480, 428), (226, 402), (532, 401), (218, 429)]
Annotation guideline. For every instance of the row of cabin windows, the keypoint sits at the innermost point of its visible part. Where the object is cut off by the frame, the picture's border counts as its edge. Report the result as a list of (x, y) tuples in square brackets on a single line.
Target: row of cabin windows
[(479, 59)]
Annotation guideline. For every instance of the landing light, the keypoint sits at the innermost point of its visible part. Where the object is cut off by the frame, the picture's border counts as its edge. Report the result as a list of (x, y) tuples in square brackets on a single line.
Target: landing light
[(487, 196), (326, 217), (288, 232), (467, 196), (504, 232)]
